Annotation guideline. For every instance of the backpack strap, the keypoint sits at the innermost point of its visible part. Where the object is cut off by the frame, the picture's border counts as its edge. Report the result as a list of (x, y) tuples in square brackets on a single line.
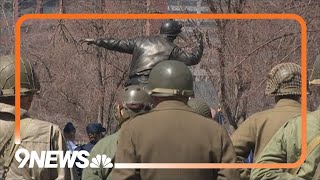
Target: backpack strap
[(310, 148)]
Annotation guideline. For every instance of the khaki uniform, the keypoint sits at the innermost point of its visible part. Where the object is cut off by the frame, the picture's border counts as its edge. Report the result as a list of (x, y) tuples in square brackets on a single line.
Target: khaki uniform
[(173, 133), (285, 147), (255, 132), (37, 136), (107, 146)]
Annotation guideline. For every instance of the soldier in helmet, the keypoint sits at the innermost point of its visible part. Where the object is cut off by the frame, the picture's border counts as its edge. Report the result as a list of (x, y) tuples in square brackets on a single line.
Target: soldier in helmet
[(173, 133), (200, 107), (284, 83), (148, 51), (285, 145), (132, 100), (36, 135)]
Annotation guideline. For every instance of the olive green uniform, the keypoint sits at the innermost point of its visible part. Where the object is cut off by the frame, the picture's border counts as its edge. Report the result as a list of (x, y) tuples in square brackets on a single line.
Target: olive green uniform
[(285, 147), (120, 112), (36, 136), (107, 146), (173, 133)]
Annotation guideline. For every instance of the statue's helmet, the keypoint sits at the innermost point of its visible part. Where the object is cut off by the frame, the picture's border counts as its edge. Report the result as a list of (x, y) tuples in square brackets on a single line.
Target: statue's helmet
[(170, 28)]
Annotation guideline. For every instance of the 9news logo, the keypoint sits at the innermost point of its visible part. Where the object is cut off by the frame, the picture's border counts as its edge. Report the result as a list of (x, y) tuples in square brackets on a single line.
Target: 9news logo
[(60, 159)]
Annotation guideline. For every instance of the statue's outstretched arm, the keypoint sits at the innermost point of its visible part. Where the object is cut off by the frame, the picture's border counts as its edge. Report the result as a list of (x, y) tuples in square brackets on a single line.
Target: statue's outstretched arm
[(125, 46)]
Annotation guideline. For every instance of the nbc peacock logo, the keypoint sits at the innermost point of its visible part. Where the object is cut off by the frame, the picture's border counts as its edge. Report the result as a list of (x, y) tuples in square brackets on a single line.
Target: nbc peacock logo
[(101, 161)]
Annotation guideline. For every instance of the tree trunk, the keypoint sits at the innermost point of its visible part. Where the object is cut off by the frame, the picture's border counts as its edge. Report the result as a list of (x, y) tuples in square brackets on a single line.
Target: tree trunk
[(16, 11), (39, 8), (221, 60)]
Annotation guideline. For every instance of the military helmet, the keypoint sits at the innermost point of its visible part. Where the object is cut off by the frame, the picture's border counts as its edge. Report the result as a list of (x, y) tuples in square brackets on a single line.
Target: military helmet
[(284, 79), (200, 107), (170, 28), (315, 76), (132, 100), (29, 83), (171, 78)]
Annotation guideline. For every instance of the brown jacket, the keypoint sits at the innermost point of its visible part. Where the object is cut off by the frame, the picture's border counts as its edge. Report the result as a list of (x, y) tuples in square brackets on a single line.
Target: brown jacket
[(173, 133), (255, 132), (37, 136)]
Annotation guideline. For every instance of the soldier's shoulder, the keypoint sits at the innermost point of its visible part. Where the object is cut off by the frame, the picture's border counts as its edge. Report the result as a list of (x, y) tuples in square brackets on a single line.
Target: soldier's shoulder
[(313, 120), (41, 124), (259, 115)]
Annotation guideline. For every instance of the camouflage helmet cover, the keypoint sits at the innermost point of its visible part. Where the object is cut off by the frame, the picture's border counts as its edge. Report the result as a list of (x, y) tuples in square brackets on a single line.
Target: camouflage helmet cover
[(170, 28), (200, 107), (132, 100), (315, 75), (29, 83), (171, 78), (284, 79)]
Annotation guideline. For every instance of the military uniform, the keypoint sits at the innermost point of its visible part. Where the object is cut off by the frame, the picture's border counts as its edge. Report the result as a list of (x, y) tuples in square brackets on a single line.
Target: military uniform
[(285, 147), (255, 132), (36, 136), (173, 133), (122, 111), (283, 82), (107, 146)]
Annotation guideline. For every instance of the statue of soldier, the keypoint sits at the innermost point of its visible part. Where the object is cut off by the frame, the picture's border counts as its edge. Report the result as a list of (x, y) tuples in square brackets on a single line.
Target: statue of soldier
[(173, 133), (132, 100), (36, 135), (148, 51)]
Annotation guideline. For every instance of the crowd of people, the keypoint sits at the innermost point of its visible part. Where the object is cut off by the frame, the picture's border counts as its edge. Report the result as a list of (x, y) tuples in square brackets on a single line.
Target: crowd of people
[(161, 121)]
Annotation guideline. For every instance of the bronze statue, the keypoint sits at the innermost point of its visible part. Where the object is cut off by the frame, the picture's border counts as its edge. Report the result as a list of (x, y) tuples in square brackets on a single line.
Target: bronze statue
[(148, 51)]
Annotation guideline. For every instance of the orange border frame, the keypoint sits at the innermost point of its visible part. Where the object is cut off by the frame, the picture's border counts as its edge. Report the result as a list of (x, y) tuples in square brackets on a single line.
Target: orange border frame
[(179, 16)]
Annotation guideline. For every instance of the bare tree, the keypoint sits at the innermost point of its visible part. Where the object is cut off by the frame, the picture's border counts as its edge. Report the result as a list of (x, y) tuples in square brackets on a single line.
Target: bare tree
[(79, 83)]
